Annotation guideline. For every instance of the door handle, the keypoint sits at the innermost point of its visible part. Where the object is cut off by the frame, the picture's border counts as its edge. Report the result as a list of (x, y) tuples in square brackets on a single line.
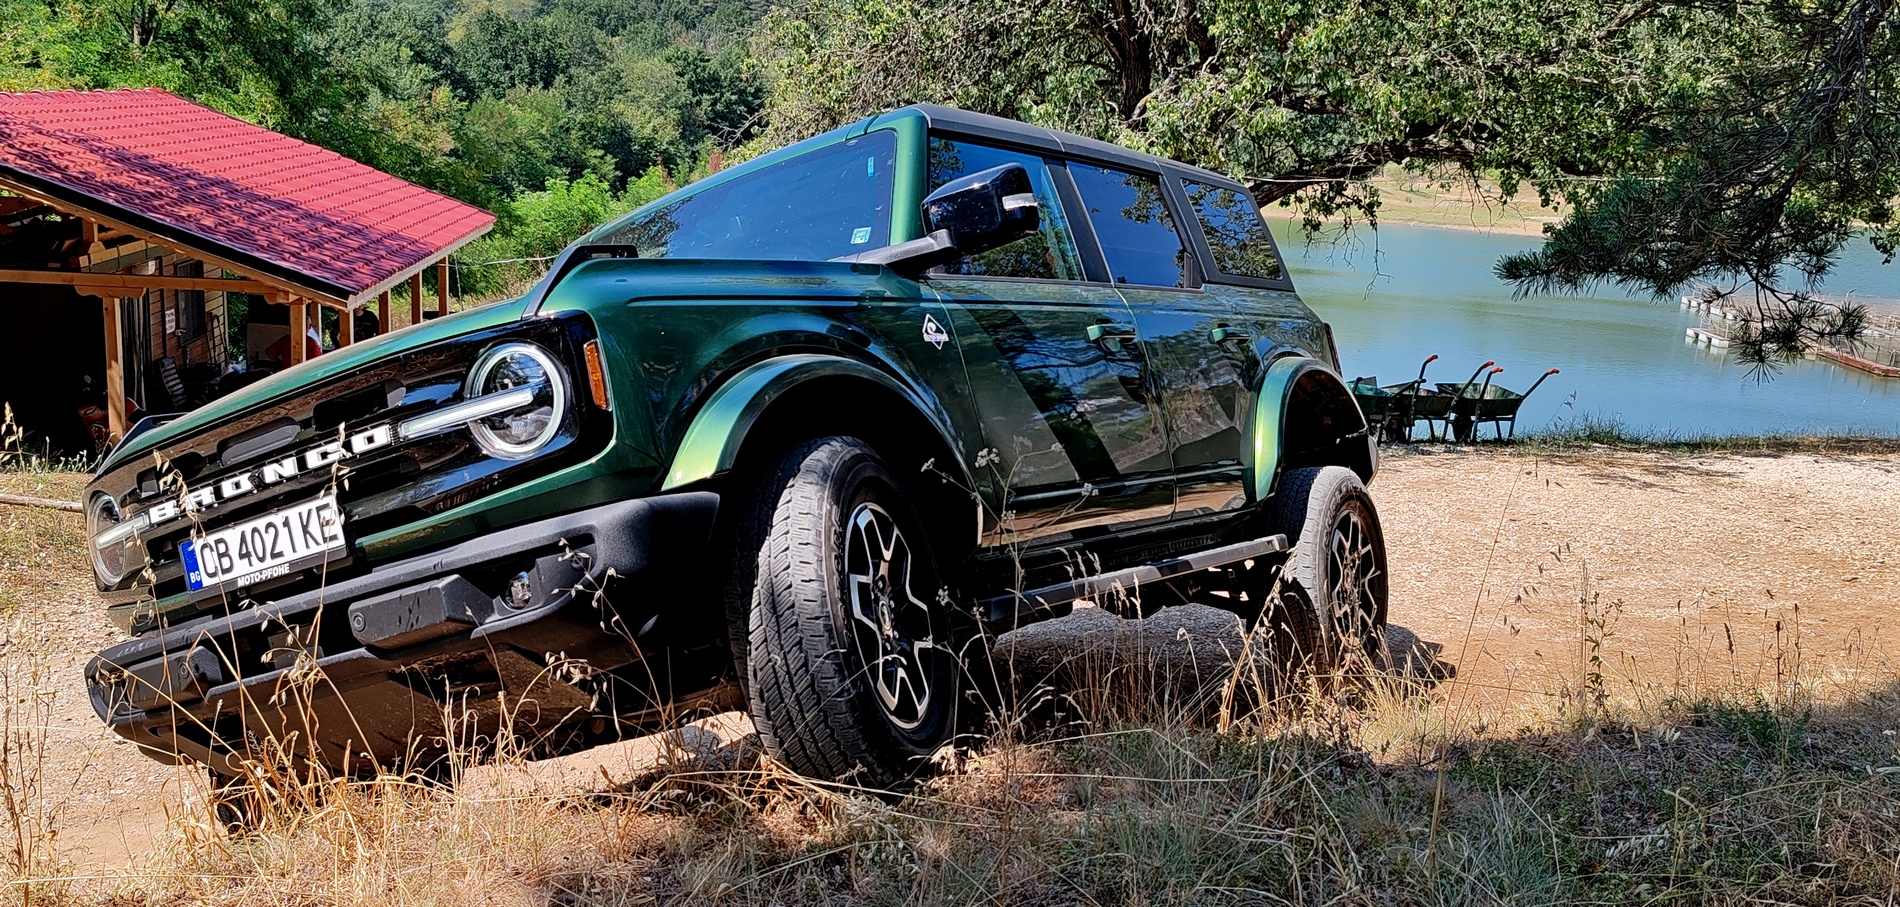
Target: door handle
[(1111, 336), (1224, 333)]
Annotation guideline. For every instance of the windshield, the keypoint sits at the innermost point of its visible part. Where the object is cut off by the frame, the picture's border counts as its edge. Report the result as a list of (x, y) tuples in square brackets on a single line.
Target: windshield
[(828, 202)]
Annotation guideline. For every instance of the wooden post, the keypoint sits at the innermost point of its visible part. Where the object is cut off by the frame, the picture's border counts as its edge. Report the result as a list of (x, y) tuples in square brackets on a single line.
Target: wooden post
[(442, 287), (346, 327), (382, 313), (115, 370), (299, 326), (415, 298)]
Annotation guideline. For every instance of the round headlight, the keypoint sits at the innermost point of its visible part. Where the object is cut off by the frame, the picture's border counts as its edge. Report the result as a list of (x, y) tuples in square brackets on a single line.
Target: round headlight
[(522, 431), (112, 557)]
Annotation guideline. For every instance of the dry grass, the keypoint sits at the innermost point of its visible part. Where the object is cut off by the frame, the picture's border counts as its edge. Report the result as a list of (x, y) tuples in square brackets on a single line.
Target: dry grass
[(1129, 778), (1721, 800)]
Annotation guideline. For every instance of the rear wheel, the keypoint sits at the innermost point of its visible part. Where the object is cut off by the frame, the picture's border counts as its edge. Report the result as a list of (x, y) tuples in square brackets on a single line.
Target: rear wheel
[(851, 671), (1324, 608)]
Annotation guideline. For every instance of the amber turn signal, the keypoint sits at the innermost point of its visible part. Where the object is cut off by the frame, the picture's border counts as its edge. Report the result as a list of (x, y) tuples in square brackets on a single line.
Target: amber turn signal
[(596, 375)]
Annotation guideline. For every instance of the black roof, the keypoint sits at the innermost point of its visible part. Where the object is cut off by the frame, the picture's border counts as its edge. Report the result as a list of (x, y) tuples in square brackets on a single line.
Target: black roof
[(1066, 144)]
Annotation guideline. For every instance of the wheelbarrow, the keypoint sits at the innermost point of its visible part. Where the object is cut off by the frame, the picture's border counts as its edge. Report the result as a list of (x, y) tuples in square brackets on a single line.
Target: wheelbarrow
[(1498, 406), (1461, 404), (1491, 404), (1420, 404), (1380, 405)]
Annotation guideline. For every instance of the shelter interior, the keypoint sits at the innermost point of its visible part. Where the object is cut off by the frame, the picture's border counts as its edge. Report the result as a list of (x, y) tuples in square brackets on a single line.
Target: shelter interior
[(101, 326)]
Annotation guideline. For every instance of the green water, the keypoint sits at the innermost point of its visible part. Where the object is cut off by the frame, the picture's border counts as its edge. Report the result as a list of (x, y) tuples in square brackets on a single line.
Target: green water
[(1406, 292)]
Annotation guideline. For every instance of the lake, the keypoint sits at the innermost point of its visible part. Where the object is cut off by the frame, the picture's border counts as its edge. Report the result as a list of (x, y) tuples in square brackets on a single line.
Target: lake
[(1405, 292)]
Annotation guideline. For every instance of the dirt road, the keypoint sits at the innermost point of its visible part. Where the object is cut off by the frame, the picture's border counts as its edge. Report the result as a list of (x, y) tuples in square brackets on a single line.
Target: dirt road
[(1686, 572)]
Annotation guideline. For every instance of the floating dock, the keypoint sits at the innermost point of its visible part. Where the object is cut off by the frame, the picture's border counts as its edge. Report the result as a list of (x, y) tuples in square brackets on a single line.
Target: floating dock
[(1880, 338), (1855, 362), (1706, 338)]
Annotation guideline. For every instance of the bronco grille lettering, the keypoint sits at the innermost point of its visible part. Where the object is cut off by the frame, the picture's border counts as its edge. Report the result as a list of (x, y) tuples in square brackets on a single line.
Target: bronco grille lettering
[(275, 472)]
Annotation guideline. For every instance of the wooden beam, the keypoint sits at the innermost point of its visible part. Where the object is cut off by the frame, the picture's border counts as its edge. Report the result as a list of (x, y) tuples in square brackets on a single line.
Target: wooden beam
[(299, 326), (442, 287), (210, 260), (14, 204), (134, 282), (27, 500), (115, 371), (382, 312), (415, 298), (88, 231), (345, 328)]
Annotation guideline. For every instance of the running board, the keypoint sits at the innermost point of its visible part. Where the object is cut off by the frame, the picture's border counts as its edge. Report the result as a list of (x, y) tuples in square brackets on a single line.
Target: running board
[(1013, 607)]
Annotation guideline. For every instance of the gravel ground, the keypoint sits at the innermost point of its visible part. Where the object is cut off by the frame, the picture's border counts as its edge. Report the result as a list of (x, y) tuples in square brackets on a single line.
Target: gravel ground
[(1699, 571)]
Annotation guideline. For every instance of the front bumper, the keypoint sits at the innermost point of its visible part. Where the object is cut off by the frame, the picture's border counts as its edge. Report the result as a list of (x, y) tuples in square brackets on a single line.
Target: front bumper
[(522, 634)]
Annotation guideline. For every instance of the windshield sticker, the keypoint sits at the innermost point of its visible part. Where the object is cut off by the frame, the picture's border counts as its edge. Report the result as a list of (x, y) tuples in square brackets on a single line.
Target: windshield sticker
[(870, 167), (860, 236), (934, 333)]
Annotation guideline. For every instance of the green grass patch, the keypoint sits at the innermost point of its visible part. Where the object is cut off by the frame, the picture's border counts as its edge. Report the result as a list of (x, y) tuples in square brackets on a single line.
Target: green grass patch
[(1588, 432)]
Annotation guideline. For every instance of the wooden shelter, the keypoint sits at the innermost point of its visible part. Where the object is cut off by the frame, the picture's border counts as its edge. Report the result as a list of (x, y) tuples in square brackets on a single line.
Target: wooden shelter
[(163, 212)]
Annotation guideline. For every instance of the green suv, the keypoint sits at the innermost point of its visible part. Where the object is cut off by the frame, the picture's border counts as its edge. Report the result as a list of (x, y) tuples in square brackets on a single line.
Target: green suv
[(799, 438)]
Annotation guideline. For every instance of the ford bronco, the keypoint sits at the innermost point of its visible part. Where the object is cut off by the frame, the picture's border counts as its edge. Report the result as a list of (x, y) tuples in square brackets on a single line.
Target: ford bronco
[(797, 438)]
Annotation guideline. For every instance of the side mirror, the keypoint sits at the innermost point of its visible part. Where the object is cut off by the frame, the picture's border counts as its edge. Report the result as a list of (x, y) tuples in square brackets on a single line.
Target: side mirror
[(966, 216), (984, 210)]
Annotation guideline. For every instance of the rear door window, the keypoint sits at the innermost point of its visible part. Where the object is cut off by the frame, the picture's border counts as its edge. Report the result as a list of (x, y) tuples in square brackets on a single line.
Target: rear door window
[(1235, 232), (1132, 222), (1049, 254), (823, 204)]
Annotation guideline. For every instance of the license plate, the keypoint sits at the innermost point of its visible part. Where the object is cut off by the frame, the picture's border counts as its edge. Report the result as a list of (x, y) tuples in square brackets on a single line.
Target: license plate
[(264, 547)]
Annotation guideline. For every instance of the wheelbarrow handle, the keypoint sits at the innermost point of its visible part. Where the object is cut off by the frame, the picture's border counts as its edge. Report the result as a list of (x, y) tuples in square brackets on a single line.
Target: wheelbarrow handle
[(1474, 375), (1540, 380)]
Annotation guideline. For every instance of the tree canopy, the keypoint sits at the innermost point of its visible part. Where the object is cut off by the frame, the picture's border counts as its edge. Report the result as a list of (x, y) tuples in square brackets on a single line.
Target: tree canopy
[(1736, 143), (1734, 146)]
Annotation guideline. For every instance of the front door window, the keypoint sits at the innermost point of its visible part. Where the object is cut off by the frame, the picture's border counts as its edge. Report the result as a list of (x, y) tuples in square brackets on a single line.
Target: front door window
[(1049, 254)]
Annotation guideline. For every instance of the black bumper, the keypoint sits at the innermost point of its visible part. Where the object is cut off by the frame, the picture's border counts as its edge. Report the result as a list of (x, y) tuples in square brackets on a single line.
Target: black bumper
[(554, 634)]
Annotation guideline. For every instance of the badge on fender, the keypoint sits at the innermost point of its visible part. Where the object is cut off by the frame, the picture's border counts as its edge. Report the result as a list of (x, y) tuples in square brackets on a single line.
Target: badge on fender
[(934, 334)]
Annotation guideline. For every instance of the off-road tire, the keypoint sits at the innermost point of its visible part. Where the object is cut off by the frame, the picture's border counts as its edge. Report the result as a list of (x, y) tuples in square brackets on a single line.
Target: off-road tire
[(1319, 620), (826, 647)]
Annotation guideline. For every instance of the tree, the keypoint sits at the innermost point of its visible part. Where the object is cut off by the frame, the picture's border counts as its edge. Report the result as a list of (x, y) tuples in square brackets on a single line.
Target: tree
[(1757, 183), (1593, 102)]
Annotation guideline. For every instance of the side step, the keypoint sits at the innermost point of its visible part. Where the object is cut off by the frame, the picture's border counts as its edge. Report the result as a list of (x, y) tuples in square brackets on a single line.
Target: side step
[(1015, 606)]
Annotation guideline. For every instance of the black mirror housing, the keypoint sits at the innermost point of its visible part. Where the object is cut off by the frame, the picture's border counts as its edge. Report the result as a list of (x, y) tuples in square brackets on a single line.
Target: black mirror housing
[(966, 216), (984, 210)]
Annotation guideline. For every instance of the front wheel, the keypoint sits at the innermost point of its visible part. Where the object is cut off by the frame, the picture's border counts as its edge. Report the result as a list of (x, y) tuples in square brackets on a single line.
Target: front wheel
[(1325, 607), (851, 673)]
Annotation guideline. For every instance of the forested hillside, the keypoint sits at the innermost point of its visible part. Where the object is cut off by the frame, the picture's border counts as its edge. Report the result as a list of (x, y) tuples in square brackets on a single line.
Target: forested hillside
[(554, 114)]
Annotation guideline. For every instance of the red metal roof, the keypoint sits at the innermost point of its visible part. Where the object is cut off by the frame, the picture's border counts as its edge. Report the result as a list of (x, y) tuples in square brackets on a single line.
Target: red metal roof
[(228, 188)]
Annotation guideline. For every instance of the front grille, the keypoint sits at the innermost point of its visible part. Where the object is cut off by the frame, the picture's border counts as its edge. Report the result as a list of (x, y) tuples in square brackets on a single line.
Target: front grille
[(380, 489)]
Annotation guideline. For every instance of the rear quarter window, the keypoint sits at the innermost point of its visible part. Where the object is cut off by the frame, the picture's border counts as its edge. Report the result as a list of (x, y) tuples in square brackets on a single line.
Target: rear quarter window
[(1235, 232)]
